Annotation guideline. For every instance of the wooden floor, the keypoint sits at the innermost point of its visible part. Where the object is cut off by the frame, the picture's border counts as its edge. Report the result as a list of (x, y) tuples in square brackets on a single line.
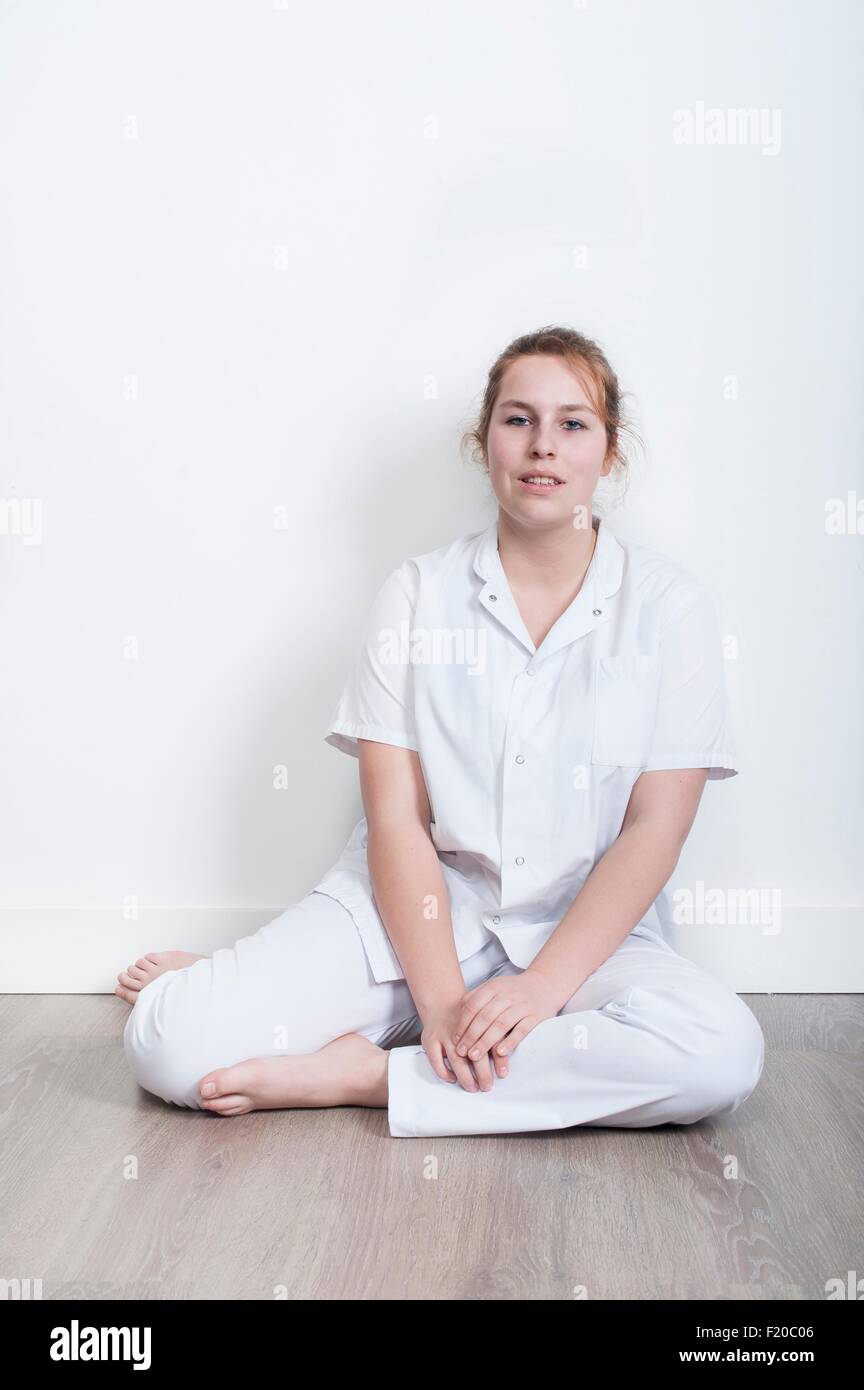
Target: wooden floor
[(324, 1204)]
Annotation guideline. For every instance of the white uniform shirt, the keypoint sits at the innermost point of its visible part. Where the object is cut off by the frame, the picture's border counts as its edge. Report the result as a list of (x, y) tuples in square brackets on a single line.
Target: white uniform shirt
[(529, 754)]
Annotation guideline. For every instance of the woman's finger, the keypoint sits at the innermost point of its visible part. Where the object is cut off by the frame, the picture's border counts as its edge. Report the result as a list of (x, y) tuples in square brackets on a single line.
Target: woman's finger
[(521, 1031), (483, 1020), (500, 1063), (483, 1072), (464, 1073), (497, 1030), (436, 1058), (474, 1002)]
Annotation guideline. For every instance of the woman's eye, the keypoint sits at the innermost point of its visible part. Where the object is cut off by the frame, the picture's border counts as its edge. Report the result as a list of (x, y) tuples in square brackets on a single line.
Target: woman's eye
[(515, 419)]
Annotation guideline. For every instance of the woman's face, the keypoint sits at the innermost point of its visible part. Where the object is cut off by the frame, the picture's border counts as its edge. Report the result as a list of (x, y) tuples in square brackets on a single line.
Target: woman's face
[(543, 424)]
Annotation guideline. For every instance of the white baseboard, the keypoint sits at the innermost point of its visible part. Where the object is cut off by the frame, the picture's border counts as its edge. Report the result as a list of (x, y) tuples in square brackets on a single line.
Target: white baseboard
[(63, 950), (819, 948)]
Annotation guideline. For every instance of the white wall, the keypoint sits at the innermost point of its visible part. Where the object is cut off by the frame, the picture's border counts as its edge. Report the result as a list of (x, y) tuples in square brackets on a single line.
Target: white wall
[(260, 256)]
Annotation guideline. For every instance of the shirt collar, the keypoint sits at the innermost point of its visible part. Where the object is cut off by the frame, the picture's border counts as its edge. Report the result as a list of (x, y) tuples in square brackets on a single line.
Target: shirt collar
[(588, 610), (605, 571)]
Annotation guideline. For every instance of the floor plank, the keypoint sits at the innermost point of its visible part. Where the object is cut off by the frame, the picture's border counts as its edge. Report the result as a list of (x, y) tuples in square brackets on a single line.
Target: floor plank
[(109, 1193)]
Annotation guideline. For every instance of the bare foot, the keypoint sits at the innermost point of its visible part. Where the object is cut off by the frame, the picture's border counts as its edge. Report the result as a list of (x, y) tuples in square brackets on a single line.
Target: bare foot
[(351, 1070), (130, 982)]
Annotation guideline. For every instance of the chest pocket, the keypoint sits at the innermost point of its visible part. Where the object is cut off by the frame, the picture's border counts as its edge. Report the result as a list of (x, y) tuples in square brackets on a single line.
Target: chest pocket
[(625, 704)]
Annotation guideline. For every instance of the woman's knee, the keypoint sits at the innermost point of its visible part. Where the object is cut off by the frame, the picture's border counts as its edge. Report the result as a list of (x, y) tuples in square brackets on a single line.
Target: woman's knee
[(725, 1069), (161, 1059), (713, 1048)]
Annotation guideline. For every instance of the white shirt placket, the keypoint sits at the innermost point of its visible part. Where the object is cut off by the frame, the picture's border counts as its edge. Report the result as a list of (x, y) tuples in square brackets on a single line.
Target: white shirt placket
[(519, 850)]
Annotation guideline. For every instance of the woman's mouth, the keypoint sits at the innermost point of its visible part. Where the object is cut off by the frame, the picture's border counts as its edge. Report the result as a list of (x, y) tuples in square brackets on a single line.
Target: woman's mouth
[(540, 482)]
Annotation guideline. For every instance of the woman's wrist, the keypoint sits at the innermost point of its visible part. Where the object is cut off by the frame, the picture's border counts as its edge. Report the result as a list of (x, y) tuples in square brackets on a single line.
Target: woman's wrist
[(438, 1001)]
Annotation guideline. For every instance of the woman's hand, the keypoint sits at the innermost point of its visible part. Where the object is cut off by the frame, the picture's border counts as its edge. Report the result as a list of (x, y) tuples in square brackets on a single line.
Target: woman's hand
[(507, 1008), (439, 1043)]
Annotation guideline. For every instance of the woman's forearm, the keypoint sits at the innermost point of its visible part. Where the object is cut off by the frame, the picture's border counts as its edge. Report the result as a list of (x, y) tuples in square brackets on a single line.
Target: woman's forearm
[(614, 897), (412, 900)]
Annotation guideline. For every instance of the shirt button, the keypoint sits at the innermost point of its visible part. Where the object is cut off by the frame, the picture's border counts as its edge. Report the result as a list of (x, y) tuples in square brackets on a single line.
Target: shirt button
[(494, 598), (529, 671), (496, 920), (519, 758), (519, 859), (597, 612)]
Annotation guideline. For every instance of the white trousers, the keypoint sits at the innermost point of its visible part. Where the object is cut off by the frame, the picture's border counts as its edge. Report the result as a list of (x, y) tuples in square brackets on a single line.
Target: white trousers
[(648, 1039)]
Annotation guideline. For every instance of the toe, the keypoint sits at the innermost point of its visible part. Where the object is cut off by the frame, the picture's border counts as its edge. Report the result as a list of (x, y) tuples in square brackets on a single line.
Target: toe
[(228, 1105), (211, 1086)]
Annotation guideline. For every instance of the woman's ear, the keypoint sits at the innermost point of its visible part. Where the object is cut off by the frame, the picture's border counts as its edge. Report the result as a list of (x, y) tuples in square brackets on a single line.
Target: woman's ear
[(613, 456)]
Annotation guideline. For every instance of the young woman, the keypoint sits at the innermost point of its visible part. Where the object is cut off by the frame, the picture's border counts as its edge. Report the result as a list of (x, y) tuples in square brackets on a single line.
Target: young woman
[(535, 711)]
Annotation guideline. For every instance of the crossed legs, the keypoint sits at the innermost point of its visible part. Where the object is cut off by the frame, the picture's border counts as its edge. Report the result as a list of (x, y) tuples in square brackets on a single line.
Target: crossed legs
[(292, 1016)]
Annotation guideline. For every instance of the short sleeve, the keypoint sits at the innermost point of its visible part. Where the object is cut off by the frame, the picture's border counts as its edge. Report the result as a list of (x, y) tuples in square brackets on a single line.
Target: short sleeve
[(693, 723), (377, 701)]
